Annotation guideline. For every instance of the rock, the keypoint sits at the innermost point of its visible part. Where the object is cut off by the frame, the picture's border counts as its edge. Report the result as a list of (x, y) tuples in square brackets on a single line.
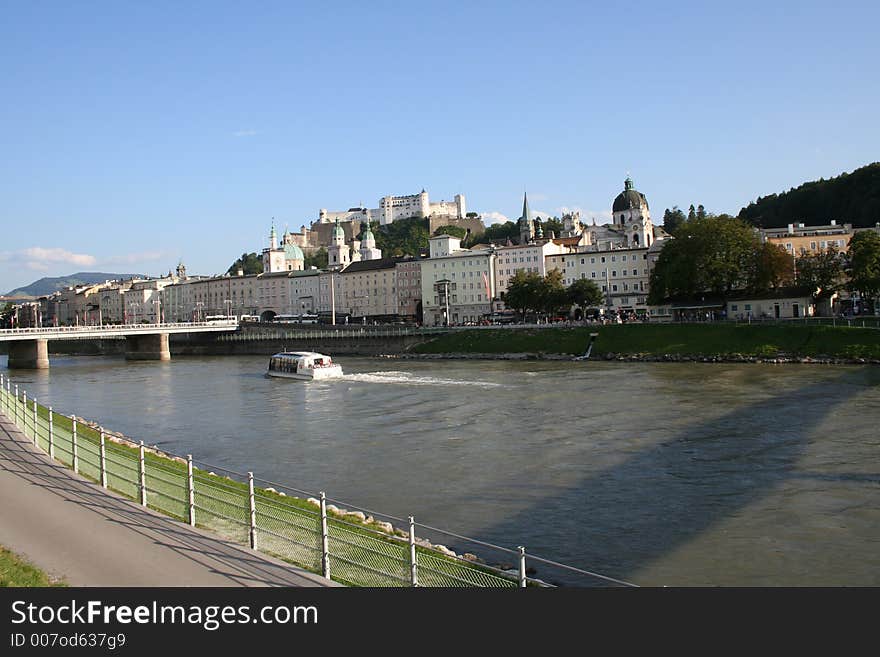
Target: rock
[(270, 490), (313, 501), (332, 508), (445, 550), (386, 527), (356, 515), (467, 556)]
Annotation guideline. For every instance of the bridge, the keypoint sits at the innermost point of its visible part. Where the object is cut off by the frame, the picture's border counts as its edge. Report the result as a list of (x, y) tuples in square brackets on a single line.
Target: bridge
[(28, 347)]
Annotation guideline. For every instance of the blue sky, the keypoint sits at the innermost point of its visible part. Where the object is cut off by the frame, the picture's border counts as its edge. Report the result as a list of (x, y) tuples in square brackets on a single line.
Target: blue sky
[(138, 134)]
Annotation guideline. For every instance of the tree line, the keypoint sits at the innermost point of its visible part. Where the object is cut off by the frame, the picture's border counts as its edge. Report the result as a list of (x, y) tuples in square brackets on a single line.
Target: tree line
[(721, 254), (849, 198), (529, 292)]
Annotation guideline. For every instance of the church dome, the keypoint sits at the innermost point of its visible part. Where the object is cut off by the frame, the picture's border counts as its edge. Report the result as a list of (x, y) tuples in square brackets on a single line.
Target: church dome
[(338, 232), (629, 198), (293, 252)]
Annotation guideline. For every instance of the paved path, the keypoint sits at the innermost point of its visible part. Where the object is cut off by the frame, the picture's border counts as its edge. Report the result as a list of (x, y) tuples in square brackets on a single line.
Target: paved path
[(73, 528)]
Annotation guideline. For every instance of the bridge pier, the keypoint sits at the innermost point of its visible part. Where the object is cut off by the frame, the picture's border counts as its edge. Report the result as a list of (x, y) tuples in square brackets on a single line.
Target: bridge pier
[(153, 346), (29, 354)]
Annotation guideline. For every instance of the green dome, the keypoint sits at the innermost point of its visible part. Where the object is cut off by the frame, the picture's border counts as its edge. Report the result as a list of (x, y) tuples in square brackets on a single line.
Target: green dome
[(337, 231), (293, 252)]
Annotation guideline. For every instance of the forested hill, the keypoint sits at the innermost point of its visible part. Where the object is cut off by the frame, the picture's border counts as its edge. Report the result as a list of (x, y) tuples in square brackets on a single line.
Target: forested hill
[(851, 198)]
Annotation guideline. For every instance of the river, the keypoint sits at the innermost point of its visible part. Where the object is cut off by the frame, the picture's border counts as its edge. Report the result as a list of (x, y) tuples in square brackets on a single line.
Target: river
[(679, 474)]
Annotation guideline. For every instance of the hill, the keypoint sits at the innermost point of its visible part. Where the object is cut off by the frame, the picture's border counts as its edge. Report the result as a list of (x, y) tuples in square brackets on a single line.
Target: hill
[(49, 285), (849, 198)]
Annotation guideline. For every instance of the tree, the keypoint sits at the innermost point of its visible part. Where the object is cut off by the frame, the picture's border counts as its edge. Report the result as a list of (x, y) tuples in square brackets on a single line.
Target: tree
[(455, 231), (821, 272), (249, 263), (501, 232), (672, 219), (692, 214), (701, 212), (863, 265), (772, 268), (317, 259), (714, 254), (552, 225), (402, 237), (523, 292), (584, 293), (551, 295)]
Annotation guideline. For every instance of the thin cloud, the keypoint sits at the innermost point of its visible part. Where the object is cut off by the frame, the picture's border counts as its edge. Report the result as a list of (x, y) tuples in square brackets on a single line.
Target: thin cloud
[(245, 133), (39, 258), (135, 258), (490, 218)]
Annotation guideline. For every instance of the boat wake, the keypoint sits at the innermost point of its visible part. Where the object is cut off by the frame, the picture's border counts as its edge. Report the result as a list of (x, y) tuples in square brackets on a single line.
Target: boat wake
[(413, 379)]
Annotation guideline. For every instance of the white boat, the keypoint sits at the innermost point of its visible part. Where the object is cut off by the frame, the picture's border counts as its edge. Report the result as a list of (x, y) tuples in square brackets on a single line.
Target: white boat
[(306, 365)]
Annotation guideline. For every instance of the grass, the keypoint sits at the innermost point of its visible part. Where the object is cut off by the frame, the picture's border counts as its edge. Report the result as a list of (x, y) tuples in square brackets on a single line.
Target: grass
[(661, 339), (287, 527), (16, 571)]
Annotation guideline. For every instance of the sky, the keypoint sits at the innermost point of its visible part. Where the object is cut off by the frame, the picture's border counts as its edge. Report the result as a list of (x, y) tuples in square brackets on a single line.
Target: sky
[(135, 135)]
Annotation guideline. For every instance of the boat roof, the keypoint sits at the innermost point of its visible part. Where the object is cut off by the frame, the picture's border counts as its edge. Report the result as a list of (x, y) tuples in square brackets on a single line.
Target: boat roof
[(301, 354)]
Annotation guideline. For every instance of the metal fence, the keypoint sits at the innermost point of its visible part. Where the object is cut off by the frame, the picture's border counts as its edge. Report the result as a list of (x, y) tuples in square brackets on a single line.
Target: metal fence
[(348, 544)]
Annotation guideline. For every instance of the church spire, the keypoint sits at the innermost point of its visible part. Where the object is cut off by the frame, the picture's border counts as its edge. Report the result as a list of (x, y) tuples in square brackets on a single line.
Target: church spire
[(526, 214)]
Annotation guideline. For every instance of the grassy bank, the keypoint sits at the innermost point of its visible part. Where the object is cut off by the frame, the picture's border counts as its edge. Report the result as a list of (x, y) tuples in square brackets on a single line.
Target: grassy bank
[(667, 339), (15, 571)]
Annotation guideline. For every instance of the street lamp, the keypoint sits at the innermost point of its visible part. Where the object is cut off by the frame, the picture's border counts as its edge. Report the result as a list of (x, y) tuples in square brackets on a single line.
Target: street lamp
[(134, 306), (199, 306), (228, 303), (158, 304)]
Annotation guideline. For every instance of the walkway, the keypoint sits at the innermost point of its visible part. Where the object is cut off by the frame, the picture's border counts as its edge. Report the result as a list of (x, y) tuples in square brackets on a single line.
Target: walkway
[(73, 528)]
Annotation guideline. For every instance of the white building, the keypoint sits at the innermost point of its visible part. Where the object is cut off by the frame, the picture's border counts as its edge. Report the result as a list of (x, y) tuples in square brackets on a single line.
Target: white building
[(623, 275), (458, 285), (392, 208)]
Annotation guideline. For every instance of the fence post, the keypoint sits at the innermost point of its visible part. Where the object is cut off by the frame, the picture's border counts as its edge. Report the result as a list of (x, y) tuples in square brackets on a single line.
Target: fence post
[(413, 565), (74, 443), (142, 474), (103, 461), (325, 538), (522, 567), (35, 422), (192, 494), (15, 420), (253, 505), (24, 412)]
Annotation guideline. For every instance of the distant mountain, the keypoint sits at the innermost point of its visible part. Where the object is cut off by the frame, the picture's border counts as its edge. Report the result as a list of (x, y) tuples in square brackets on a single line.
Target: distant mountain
[(49, 285), (850, 198)]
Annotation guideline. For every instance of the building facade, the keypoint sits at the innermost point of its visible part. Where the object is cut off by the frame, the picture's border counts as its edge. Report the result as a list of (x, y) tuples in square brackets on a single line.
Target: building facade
[(458, 285)]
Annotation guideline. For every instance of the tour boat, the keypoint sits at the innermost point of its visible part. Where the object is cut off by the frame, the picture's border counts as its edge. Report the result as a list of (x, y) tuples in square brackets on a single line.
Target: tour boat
[(307, 365)]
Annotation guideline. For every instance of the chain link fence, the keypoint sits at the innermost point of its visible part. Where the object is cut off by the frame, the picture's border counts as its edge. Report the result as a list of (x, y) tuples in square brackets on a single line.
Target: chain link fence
[(347, 544)]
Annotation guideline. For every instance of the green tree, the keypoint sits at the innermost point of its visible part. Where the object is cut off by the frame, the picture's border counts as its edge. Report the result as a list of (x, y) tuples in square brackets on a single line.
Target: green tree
[(501, 232), (551, 297), (714, 254), (692, 213), (552, 225), (455, 231), (672, 219), (584, 293), (249, 263), (772, 268), (701, 212), (402, 237), (821, 272), (863, 266), (317, 259), (524, 292)]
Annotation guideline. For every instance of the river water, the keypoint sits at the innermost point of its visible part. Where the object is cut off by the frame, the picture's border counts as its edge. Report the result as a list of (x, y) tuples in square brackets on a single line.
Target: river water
[(674, 474)]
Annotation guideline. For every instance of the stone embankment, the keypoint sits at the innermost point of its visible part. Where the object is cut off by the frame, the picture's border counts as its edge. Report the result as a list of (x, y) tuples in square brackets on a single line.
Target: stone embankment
[(645, 358)]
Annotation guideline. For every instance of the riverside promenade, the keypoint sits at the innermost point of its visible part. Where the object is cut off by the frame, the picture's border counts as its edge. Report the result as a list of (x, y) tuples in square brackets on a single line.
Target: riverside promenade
[(74, 529)]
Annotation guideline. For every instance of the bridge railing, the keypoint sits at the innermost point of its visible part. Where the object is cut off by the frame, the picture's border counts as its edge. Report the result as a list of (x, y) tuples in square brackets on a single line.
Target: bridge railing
[(345, 543)]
